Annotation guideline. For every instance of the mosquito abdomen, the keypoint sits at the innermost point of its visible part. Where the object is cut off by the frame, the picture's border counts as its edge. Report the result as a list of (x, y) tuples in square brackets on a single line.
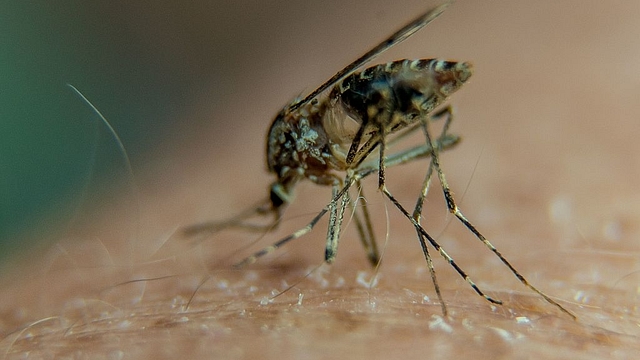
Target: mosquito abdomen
[(404, 87)]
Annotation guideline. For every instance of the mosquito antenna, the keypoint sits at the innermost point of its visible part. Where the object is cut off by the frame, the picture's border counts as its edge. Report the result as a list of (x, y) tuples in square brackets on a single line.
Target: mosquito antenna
[(397, 37)]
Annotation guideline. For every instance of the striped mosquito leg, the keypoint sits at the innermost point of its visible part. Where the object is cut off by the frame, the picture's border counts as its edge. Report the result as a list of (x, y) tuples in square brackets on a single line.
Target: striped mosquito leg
[(355, 144), (383, 143), (417, 214), (273, 247), (305, 230), (439, 248), (417, 211), (453, 208), (432, 271), (335, 224), (445, 112), (420, 152)]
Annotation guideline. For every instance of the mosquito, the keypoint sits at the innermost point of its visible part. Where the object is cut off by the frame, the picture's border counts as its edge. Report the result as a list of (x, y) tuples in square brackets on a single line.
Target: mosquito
[(340, 134)]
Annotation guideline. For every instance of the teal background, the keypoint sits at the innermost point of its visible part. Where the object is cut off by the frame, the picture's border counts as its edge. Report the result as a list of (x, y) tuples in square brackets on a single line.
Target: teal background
[(52, 146), (145, 64)]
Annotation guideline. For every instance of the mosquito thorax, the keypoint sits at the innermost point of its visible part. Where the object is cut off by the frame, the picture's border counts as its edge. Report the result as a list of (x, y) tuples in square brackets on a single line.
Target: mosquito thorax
[(298, 146)]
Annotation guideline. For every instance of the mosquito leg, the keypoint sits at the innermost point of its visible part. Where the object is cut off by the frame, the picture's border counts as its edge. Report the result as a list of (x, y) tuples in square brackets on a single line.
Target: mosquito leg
[(367, 148), (238, 221), (417, 214), (432, 271), (371, 144), (368, 240), (336, 216), (299, 233), (381, 167), (214, 227), (271, 248), (417, 211), (453, 208), (445, 141), (434, 243), (446, 111), (355, 143), (419, 152), (365, 231)]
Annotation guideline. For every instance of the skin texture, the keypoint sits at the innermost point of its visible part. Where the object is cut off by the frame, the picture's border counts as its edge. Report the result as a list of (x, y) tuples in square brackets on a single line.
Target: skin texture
[(547, 170)]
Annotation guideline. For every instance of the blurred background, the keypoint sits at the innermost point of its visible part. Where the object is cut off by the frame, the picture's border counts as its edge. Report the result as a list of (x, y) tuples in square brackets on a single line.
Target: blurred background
[(143, 64), (191, 88), (53, 149), (148, 66)]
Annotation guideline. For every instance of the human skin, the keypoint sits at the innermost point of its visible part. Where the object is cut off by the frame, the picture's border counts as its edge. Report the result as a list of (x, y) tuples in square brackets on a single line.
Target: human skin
[(547, 170)]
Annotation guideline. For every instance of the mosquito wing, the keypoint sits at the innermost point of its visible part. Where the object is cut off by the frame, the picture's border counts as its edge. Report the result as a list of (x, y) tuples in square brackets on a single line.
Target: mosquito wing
[(396, 38)]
